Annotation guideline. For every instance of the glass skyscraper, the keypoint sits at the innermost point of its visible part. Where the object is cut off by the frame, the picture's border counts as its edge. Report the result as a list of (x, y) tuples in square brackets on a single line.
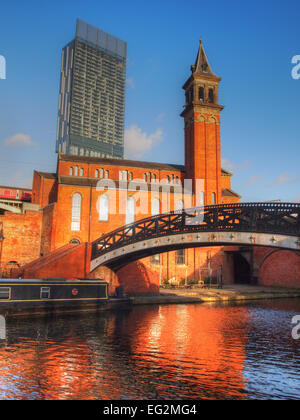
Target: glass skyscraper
[(92, 94)]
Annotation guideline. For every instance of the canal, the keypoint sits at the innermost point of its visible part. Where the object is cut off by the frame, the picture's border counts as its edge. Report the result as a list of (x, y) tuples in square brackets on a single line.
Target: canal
[(194, 351)]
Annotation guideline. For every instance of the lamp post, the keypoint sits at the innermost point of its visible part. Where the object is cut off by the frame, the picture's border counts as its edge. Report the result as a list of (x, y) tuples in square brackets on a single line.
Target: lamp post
[(1, 245)]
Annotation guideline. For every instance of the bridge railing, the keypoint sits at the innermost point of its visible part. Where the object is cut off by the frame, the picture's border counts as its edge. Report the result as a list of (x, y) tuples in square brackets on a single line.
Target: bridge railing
[(273, 218)]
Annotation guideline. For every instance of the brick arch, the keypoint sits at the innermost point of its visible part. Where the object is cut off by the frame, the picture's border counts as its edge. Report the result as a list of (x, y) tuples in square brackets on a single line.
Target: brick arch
[(212, 119), (280, 268), (200, 117), (76, 192)]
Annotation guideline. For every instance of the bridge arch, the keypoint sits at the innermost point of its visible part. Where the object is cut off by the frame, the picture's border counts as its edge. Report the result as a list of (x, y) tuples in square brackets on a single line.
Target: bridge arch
[(253, 224)]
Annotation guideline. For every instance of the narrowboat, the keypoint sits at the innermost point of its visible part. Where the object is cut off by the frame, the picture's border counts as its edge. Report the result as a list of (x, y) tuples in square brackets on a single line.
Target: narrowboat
[(47, 296)]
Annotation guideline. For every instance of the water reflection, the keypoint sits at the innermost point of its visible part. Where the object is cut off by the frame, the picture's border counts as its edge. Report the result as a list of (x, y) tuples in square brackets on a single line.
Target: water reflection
[(168, 352)]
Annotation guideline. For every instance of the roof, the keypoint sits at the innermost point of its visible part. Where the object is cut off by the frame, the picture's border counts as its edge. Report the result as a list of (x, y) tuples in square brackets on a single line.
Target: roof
[(124, 162), (120, 162), (227, 192), (47, 175), (202, 65), (15, 188)]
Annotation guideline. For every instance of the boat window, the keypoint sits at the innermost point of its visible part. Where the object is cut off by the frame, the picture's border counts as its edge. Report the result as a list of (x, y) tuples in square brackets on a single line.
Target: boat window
[(45, 292), (4, 292)]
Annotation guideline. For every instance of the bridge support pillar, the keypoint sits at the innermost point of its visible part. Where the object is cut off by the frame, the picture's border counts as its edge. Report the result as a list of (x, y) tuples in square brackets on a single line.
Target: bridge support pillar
[(108, 275)]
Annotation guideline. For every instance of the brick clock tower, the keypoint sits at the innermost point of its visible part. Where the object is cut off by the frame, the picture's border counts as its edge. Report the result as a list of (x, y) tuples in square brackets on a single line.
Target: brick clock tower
[(202, 130)]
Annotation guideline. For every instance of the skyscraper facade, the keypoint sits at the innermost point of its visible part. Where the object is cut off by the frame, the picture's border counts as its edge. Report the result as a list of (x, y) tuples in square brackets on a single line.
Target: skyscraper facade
[(92, 94)]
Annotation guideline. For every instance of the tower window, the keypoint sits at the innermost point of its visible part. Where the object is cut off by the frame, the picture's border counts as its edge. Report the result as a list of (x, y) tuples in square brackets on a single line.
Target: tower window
[(213, 198), (201, 93), (191, 94), (187, 97), (211, 95)]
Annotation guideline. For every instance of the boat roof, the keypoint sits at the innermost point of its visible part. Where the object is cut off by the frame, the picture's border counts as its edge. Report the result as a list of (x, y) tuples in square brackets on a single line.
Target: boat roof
[(51, 280)]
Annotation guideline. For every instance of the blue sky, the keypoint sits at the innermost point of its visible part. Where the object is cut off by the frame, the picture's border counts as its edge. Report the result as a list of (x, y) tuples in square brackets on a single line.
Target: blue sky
[(249, 44)]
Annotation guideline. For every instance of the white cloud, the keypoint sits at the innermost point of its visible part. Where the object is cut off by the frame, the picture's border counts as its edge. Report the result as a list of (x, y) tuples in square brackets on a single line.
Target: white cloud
[(138, 143), (227, 165), (284, 178), (130, 82), (230, 166), (161, 116), (254, 179), (19, 139)]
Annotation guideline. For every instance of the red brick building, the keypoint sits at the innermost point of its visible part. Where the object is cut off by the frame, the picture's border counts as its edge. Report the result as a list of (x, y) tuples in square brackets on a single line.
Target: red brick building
[(89, 196)]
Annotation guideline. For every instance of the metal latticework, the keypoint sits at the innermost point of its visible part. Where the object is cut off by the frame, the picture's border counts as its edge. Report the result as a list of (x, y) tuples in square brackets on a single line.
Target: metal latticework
[(271, 218)]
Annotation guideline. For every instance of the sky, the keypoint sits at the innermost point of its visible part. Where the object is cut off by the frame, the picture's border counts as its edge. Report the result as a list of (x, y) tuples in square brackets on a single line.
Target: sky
[(250, 45)]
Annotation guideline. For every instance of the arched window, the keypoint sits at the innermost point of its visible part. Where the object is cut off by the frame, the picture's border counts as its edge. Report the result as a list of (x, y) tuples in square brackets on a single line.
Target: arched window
[(101, 173), (179, 206), (103, 211), (213, 198), (211, 95), (186, 97), (130, 176), (155, 207), (96, 173), (201, 93), (153, 178), (70, 171), (177, 180), (106, 174), (76, 171), (74, 241), (191, 94), (130, 210), (80, 172), (76, 212)]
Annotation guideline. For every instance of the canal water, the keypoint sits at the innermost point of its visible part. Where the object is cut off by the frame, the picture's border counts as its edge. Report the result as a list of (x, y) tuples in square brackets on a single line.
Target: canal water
[(155, 352)]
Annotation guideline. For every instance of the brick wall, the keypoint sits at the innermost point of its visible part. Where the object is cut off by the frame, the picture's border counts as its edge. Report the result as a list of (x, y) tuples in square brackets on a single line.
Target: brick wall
[(22, 234), (280, 268)]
